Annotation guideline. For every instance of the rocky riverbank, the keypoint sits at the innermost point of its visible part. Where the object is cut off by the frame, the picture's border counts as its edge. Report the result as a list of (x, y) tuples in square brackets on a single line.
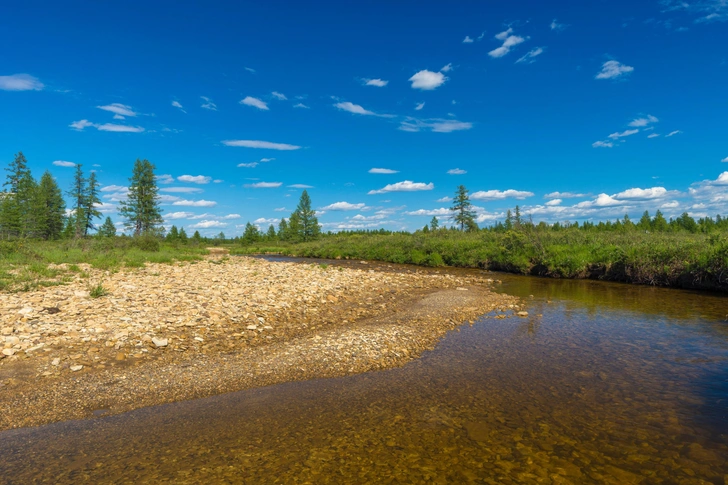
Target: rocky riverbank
[(166, 333)]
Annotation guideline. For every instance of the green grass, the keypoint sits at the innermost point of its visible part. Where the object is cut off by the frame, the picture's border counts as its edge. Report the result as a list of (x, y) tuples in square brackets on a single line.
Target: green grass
[(26, 265), (679, 259)]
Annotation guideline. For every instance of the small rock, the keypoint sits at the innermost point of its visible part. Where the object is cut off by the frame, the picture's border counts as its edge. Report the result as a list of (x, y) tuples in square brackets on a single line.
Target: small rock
[(121, 356), (199, 339), (76, 368), (252, 327), (56, 361), (522, 314), (81, 294), (8, 352), (159, 342), (26, 311), (7, 330)]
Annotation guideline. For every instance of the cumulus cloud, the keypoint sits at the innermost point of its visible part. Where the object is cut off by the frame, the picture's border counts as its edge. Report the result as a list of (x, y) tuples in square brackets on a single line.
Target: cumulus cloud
[(63, 163), (263, 185), (121, 110), (430, 212), (642, 194), (208, 224), (380, 83), (179, 215), (406, 186), (563, 195), (387, 170), (114, 188), (260, 144), (208, 104), (641, 122), (509, 41), (487, 195), (670, 205), (725, 159), (263, 220), (617, 135), (444, 199), (437, 125), (279, 96), (232, 216), (554, 202), (613, 69), (195, 203), (427, 80), (602, 200), (345, 206), (354, 108), (531, 55), (456, 171), (673, 133), (602, 144), (165, 179), (181, 190), (82, 124), (20, 82), (195, 179), (254, 102)]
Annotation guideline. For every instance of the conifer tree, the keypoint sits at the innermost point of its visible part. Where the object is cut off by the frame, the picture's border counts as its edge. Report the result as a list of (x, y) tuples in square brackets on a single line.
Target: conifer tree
[(307, 224), (183, 235), (196, 237), (173, 234), (69, 230), (107, 229), (462, 208), (51, 208), (271, 234), (141, 208), (283, 230), (17, 217), (434, 224), (251, 234), (91, 202)]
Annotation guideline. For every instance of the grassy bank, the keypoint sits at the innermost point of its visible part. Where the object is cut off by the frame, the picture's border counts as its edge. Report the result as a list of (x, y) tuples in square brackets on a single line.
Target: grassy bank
[(27, 264), (679, 259)]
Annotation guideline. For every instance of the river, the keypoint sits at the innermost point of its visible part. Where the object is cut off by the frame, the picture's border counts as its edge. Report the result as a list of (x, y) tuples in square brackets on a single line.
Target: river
[(601, 383)]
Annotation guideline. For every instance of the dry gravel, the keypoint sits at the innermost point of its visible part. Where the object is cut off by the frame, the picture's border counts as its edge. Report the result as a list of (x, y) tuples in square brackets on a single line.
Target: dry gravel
[(167, 333)]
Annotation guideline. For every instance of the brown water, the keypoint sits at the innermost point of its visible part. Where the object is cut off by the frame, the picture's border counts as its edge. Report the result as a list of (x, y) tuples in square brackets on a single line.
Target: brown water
[(603, 383)]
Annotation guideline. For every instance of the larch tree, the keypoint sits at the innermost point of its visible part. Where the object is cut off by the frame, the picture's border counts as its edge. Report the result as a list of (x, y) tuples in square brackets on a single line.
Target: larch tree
[(91, 202), (78, 198), (141, 207), (107, 229), (308, 227), (51, 208), (464, 216)]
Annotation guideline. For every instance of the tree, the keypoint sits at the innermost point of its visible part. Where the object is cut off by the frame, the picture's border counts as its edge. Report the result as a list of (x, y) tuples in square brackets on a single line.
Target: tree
[(17, 217), (271, 234), (306, 224), (78, 196), (251, 234), (107, 229), (283, 233), (51, 208), (69, 230), (173, 234), (517, 218), (141, 208), (659, 223), (91, 202), (645, 222), (509, 220), (183, 235), (196, 238), (434, 224), (464, 215)]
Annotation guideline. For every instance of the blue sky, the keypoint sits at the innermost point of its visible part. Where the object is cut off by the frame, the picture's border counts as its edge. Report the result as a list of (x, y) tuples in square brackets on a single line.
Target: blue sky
[(573, 110)]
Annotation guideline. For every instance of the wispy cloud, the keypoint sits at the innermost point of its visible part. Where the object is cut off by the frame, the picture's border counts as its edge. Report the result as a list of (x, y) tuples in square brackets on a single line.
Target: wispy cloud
[(195, 203), (419, 106), (260, 144), (673, 133), (299, 186), (181, 190), (300, 105), (63, 163), (447, 68), (380, 83), (487, 195), (405, 186), (644, 121), (603, 144), (345, 206), (509, 41), (20, 82), (564, 195), (456, 171), (208, 224), (178, 105), (279, 96), (232, 216), (557, 26), (263, 185), (468, 40), (165, 179), (254, 102), (706, 10), (248, 165), (530, 56), (358, 110), (122, 110), (383, 170), (178, 215), (725, 160), (82, 124), (617, 135), (438, 125), (195, 179), (444, 199), (613, 69), (430, 212), (427, 80), (208, 104), (653, 135)]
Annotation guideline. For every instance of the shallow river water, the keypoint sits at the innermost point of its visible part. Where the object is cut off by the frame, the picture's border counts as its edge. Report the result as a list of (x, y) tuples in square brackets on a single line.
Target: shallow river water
[(602, 383)]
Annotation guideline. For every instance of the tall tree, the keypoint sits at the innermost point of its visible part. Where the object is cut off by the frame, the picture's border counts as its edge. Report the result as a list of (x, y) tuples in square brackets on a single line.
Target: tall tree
[(51, 208), (92, 201), (462, 209), (107, 229), (173, 234), (18, 218), (251, 234), (283, 230), (434, 224), (141, 208), (307, 224), (271, 234), (183, 235), (78, 198)]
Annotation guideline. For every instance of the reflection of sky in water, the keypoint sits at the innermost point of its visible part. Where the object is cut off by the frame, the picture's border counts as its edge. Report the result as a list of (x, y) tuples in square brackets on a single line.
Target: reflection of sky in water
[(606, 383)]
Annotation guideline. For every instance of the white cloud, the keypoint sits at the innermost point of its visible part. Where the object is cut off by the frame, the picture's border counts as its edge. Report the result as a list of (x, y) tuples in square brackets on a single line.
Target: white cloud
[(613, 69), (20, 82), (266, 160), (279, 209), (195, 203), (482, 34), (208, 224), (208, 104), (447, 68), (419, 106), (248, 165), (430, 212), (468, 40), (383, 170), (500, 194), (181, 190), (642, 194), (380, 83), (299, 186), (615, 136), (81, 124), (232, 216), (217, 181), (602, 144), (166, 198), (264, 185), (557, 26), (177, 104), (354, 108), (602, 200), (119, 109), (509, 41), (345, 206), (263, 220), (444, 199), (119, 117), (640, 122), (456, 171), (406, 186), (427, 80), (653, 135), (63, 163), (437, 125), (279, 96), (673, 133), (530, 55), (114, 188), (563, 195), (300, 105), (165, 179), (179, 215), (725, 159), (259, 144), (255, 102), (195, 179), (554, 202), (250, 69), (119, 128), (670, 205)]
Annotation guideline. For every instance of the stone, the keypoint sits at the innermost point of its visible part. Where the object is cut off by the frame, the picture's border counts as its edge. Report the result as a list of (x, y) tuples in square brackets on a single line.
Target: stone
[(8, 352), (7, 330), (56, 361), (26, 311), (76, 368), (81, 294), (522, 314), (252, 327), (120, 356), (160, 342)]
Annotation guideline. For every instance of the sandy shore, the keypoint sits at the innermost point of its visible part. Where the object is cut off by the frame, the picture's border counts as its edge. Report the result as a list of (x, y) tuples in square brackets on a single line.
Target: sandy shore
[(167, 333)]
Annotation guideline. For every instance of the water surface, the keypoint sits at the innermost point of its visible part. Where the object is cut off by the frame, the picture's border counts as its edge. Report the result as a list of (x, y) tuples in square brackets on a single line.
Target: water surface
[(602, 383)]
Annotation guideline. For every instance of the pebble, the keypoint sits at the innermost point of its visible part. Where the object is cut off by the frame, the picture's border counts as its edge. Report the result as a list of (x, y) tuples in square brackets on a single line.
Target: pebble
[(76, 368), (56, 361), (8, 352), (522, 314), (159, 342)]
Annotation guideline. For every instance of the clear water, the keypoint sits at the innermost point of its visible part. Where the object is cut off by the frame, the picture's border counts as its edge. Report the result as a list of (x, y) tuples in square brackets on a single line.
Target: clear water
[(602, 383)]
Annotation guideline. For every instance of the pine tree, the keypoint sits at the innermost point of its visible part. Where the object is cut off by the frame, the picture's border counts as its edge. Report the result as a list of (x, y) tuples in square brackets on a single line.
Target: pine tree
[(294, 228), (659, 223), (434, 224), (645, 222), (78, 197), (69, 230), (17, 217), (283, 230), (196, 237), (141, 208), (251, 234), (51, 208), (271, 234), (107, 229), (307, 224), (183, 235), (173, 234), (91, 202), (517, 218), (464, 215)]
